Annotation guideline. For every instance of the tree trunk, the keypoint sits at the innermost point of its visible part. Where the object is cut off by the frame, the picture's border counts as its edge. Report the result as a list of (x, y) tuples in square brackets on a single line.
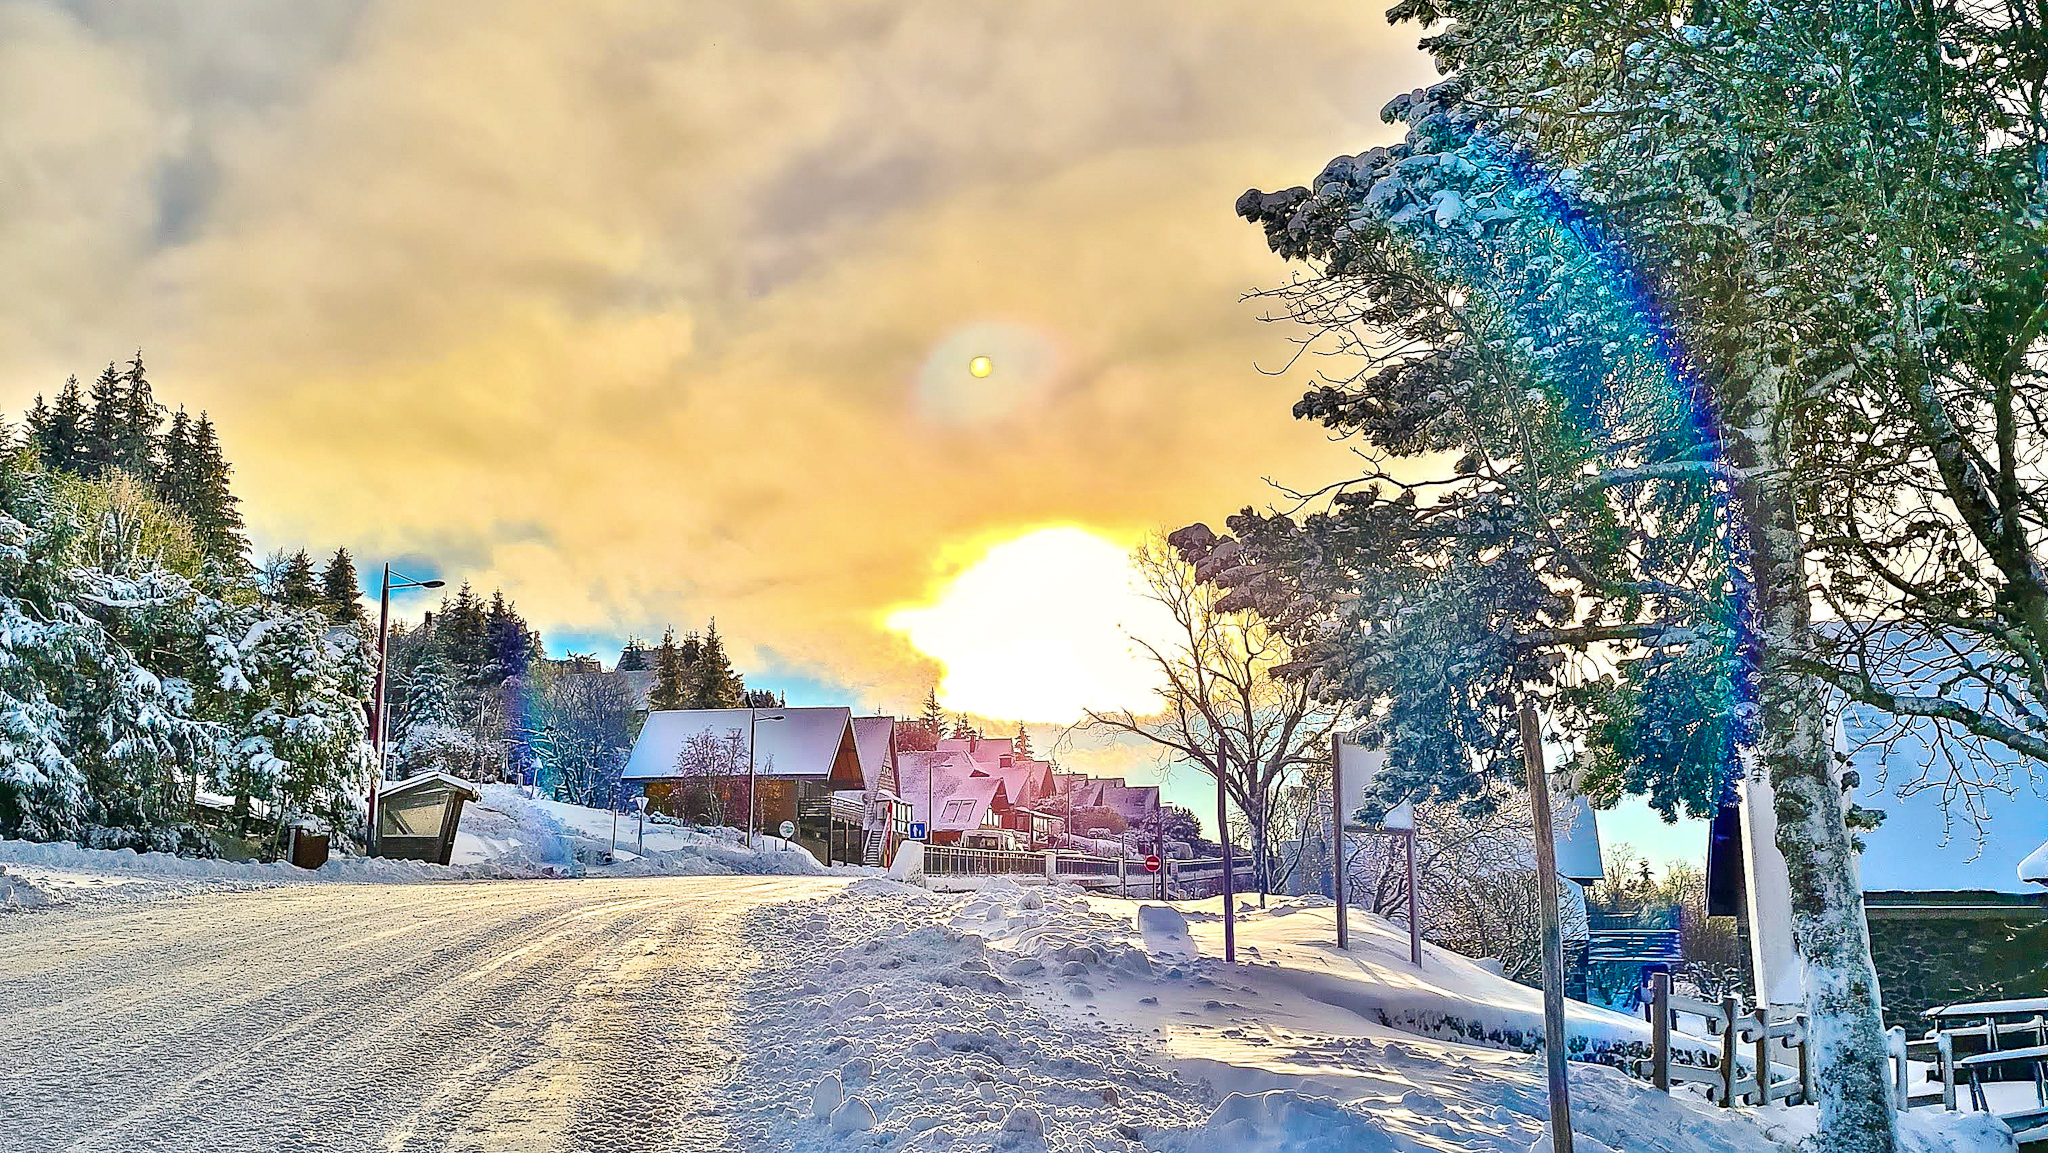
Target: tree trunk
[(1792, 745)]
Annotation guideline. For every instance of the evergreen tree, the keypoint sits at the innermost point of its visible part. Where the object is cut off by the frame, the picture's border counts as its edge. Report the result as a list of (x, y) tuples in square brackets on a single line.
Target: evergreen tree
[(513, 645), (214, 510), (175, 481), (295, 587), (670, 673), (1022, 740), (340, 593), (133, 449), (933, 718), (633, 658), (713, 683), (36, 425), (59, 431), (105, 421), (962, 731)]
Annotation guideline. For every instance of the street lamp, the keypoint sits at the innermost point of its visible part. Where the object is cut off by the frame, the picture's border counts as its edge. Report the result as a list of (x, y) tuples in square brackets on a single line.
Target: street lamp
[(753, 717), (377, 723)]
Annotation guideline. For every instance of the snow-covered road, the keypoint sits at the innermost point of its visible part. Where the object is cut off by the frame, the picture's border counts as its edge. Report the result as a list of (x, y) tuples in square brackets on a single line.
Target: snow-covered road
[(508, 1015)]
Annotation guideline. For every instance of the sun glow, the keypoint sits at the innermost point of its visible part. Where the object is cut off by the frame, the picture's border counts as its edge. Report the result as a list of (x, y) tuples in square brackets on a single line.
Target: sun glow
[(1039, 628)]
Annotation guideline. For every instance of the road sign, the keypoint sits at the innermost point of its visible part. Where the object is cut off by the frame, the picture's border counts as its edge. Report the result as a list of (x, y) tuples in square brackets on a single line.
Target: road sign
[(1152, 864), (788, 829), (917, 830)]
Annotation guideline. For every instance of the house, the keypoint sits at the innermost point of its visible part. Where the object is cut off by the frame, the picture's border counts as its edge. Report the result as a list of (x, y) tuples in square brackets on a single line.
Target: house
[(932, 782), (871, 821), (699, 763), (1952, 884)]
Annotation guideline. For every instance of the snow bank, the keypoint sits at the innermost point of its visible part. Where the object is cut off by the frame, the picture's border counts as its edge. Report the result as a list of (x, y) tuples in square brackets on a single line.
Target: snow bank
[(505, 836), (1039, 1018)]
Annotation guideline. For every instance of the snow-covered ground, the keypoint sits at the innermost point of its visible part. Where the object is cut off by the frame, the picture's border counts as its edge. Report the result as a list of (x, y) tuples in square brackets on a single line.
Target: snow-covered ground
[(614, 1012), (505, 836), (1031, 1018)]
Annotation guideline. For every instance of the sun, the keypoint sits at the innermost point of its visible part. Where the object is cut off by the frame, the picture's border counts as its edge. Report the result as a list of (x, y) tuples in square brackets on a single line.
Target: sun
[(981, 366), (1039, 628)]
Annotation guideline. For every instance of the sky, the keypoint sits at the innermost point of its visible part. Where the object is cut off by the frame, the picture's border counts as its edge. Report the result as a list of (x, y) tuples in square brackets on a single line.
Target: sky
[(651, 312)]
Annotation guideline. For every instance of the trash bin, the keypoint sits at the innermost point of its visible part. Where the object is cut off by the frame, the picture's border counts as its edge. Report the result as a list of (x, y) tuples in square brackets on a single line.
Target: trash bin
[(309, 849)]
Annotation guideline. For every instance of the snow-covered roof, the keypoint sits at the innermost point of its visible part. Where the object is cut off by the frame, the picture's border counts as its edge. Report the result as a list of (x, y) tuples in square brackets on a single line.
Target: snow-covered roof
[(874, 738), (639, 685), (1931, 841), (964, 808), (807, 743), (979, 749), (420, 780), (2034, 870), (945, 772), (1021, 779)]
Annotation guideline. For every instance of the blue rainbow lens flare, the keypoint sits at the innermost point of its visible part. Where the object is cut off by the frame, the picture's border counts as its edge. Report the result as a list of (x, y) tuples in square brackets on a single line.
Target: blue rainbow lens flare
[(1595, 339)]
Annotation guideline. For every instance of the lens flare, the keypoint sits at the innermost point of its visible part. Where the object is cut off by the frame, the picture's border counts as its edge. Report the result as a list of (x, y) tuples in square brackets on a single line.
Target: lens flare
[(1039, 628), (981, 366)]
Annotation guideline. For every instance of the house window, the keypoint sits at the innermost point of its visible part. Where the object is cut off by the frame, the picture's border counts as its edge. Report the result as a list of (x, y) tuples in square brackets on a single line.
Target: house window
[(957, 811)]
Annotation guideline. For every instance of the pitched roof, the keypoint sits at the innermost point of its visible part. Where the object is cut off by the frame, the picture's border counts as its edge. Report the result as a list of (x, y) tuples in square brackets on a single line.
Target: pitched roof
[(639, 685), (1931, 842), (807, 743), (946, 772), (874, 738), (963, 808), (422, 780)]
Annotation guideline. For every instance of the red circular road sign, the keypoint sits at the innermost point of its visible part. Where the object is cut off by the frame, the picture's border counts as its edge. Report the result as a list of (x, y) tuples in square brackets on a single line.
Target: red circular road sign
[(1151, 864)]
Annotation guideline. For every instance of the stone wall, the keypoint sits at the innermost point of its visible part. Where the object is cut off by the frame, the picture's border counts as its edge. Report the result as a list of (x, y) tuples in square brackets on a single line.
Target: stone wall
[(1928, 956)]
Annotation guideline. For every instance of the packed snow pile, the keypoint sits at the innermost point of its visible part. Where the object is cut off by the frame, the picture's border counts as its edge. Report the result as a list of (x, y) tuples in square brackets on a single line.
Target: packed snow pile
[(505, 836), (1031, 1018), (510, 829)]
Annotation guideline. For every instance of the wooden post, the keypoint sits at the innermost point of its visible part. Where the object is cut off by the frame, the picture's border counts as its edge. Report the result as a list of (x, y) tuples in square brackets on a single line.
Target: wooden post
[(1229, 881), (1807, 1089), (1553, 933), (1337, 840), (1415, 911), (1731, 1008), (1658, 1012)]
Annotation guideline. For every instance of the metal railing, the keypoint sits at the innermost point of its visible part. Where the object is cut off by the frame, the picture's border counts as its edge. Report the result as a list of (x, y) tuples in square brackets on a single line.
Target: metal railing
[(953, 861)]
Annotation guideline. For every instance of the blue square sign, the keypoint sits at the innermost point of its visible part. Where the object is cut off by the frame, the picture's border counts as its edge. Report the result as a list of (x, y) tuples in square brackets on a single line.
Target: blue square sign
[(917, 830)]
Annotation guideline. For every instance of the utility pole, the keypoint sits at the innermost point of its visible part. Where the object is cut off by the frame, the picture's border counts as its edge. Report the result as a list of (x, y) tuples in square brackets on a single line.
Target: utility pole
[(378, 725), (1553, 934)]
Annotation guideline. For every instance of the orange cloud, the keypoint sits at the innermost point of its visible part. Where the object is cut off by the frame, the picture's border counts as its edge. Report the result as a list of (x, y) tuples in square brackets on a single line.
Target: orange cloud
[(633, 308)]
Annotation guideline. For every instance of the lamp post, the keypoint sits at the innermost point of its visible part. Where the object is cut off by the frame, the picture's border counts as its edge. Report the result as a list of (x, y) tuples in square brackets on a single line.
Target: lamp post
[(753, 717), (377, 721)]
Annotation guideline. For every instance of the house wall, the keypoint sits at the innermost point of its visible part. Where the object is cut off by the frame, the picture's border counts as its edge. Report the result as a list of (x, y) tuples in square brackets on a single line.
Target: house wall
[(1935, 948)]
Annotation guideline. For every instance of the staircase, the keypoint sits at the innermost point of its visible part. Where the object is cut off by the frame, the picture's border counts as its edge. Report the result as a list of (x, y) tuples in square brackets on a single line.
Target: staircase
[(872, 854)]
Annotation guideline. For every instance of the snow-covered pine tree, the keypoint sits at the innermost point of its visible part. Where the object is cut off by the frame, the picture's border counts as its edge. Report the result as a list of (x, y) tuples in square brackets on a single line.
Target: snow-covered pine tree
[(295, 587), (341, 594)]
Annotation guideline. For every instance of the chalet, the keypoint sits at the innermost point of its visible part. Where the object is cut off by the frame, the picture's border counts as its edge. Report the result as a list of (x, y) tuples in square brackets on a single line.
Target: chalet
[(869, 822), (697, 762), (954, 803)]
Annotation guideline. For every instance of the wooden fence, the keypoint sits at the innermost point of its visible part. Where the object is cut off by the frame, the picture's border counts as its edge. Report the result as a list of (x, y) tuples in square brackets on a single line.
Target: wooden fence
[(2008, 1042), (1759, 1059)]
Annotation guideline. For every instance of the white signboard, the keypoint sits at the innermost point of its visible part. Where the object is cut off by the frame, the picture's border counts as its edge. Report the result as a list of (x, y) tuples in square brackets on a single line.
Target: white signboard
[(788, 829), (1357, 769)]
